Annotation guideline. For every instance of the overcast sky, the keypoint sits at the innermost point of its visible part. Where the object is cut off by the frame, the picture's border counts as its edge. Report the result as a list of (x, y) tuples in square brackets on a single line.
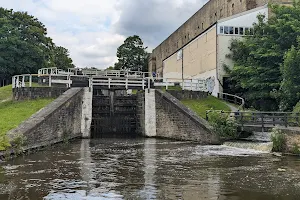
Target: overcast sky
[(93, 29)]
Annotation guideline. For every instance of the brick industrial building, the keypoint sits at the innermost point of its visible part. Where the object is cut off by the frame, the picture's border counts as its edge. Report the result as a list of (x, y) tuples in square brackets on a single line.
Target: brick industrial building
[(198, 48)]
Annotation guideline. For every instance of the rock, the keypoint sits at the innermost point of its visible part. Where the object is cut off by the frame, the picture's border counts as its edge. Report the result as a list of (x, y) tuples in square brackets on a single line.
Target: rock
[(281, 170)]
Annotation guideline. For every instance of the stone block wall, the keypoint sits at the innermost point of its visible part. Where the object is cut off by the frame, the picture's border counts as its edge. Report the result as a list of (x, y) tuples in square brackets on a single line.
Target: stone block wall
[(175, 121), (57, 122), (20, 94), (185, 94), (140, 113)]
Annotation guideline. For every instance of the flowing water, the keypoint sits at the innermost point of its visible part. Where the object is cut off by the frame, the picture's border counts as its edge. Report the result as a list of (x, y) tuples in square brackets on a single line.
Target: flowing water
[(149, 169)]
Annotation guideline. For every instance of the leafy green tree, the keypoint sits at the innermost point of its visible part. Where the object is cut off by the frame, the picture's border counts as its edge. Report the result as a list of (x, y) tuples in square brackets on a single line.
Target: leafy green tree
[(24, 45), (258, 58), (61, 58), (132, 55), (290, 85)]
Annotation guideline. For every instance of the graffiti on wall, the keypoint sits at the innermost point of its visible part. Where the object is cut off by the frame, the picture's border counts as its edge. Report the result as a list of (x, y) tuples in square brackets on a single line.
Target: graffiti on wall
[(210, 84)]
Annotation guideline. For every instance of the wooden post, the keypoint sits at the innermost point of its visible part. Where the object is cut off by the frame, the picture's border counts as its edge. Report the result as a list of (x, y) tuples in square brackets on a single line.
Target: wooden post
[(50, 80), (13, 81), (143, 84), (262, 122), (167, 85), (23, 81), (30, 80), (286, 120), (18, 81), (242, 120)]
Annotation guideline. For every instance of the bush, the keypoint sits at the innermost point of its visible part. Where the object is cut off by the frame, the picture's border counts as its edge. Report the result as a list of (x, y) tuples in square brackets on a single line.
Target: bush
[(278, 139), (225, 126), (295, 149), (4, 143)]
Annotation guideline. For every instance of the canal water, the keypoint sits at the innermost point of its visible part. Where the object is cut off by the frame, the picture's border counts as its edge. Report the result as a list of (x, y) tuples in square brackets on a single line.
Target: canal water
[(149, 169)]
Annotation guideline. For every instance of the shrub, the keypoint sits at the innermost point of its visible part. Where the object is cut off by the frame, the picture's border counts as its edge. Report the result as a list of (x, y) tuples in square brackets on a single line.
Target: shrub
[(278, 139), (225, 126), (4, 143), (295, 149)]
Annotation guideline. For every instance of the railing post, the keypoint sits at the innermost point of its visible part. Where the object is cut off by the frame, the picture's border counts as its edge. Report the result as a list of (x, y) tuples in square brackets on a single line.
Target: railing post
[(126, 84), (182, 84), (143, 84), (23, 81), (242, 120), (148, 82), (69, 81), (50, 80), (273, 115), (206, 115), (286, 119), (262, 122), (13, 81), (167, 85), (297, 118), (18, 81), (108, 83), (30, 80)]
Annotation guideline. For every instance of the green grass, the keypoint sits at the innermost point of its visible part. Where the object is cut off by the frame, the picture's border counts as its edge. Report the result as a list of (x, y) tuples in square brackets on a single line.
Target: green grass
[(5, 92), (14, 113), (200, 106)]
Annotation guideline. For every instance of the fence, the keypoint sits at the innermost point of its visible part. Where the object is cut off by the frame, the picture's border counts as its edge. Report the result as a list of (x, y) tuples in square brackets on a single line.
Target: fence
[(28, 80), (263, 119)]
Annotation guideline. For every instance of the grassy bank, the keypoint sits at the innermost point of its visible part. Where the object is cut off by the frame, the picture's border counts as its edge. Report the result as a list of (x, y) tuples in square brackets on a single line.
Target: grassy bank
[(14, 113), (201, 105), (5, 93)]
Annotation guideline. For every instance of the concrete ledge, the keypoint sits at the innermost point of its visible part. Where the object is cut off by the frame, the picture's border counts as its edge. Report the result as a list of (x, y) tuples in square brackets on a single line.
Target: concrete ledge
[(57, 122)]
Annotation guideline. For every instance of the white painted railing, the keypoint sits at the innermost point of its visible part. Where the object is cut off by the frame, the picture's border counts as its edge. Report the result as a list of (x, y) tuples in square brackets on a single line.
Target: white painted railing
[(111, 79)]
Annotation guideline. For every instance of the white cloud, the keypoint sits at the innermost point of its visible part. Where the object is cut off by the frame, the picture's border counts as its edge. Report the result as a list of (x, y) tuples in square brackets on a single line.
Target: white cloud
[(93, 29)]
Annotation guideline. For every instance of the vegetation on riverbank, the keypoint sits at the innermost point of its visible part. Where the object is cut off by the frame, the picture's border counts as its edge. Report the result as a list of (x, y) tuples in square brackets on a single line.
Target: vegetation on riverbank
[(266, 65), (200, 106), (14, 113), (5, 93)]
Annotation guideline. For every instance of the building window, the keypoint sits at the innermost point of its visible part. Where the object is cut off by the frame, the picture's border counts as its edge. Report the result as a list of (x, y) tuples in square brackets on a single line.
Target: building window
[(236, 30), (241, 30), (231, 30), (221, 29), (251, 31), (226, 30), (246, 31)]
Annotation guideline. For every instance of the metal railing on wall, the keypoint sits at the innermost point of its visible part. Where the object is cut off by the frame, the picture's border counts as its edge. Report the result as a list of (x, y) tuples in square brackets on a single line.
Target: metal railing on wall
[(28, 80), (231, 98)]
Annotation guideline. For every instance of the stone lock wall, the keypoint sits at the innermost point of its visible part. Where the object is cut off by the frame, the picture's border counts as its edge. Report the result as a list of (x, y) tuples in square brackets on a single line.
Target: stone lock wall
[(20, 94), (186, 94), (175, 121), (57, 122)]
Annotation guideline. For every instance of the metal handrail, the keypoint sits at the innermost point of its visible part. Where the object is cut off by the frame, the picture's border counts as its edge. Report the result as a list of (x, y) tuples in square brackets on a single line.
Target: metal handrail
[(237, 100)]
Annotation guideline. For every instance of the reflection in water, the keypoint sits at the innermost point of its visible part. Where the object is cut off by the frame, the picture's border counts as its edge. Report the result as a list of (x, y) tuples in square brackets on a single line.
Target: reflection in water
[(149, 169), (149, 191)]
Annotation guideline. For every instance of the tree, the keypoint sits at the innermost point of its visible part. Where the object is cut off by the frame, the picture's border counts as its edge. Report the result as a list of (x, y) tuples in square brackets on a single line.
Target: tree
[(61, 58), (290, 85), (132, 55), (24, 45), (258, 58)]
